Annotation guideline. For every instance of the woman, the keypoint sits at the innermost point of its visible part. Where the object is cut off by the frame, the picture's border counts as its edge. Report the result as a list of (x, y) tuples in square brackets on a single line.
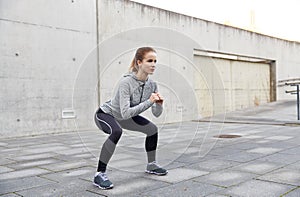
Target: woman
[(135, 94)]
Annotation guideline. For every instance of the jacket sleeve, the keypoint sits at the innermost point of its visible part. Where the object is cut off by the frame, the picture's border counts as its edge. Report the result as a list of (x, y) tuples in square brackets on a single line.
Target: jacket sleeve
[(124, 99), (156, 109)]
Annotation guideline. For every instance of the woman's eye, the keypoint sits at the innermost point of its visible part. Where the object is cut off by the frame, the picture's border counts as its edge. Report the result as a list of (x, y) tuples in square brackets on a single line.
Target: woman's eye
[(150, 61)]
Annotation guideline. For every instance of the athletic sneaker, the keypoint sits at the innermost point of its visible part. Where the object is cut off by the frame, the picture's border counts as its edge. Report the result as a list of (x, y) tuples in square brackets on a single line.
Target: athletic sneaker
[(153, 168), (102, 181)]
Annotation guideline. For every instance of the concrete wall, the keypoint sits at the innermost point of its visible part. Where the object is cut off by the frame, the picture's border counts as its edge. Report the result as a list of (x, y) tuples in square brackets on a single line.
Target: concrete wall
[(210, 36), (49, 59), (42, 45)]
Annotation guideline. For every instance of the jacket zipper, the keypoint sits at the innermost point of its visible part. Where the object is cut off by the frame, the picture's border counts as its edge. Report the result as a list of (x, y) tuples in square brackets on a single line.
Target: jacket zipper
[(142, 93)]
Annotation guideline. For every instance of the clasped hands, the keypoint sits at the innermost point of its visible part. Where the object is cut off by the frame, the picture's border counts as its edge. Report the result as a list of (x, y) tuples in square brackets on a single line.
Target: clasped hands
[(156, 98)]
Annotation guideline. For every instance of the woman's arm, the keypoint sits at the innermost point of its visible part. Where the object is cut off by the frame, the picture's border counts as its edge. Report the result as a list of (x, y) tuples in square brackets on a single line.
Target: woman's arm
[(124, 100), (157, 108)]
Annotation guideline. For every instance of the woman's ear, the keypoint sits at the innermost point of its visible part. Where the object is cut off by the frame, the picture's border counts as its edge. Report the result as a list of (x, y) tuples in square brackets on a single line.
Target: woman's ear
[(139, 62)]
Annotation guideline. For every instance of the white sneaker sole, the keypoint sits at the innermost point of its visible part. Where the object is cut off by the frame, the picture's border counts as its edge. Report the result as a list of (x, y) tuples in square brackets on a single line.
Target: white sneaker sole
[(103, 188), (155, 173)]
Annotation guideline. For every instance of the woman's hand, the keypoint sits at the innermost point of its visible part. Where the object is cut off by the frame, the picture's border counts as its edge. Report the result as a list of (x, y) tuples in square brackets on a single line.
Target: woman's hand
[(161, 99), (156, 98)]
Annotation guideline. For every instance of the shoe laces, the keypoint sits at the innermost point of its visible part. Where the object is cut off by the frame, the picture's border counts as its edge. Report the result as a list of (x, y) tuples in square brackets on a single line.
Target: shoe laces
[(103, 176), (153, 163)]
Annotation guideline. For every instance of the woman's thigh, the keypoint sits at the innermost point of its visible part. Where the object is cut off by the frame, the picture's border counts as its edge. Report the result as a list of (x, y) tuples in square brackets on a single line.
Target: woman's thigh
[(139, 123)]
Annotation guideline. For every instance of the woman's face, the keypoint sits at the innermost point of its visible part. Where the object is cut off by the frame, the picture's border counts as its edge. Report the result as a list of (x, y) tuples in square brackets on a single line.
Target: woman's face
[(148, 64)]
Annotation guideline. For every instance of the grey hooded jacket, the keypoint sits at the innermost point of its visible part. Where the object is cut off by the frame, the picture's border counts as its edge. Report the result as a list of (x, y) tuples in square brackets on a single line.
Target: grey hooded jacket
[(132, 98)]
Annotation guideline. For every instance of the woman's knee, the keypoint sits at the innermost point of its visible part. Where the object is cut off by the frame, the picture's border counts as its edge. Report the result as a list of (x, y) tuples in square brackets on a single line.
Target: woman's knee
[(152, 130), (116, 135)]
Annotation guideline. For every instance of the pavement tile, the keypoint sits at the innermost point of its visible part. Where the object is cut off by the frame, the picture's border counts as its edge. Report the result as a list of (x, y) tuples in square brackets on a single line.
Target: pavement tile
[(191, 159), (216, 195), (73, 151), (188, 188), (254, 137), (281, 158), (13, 185), (23, 173), (224, 151), (6, 161), (264, 150), (284, 175), (213, 165), (73, 188), (178, 175), (295, 166), (284, 145), (10, 150), (132, 187), (225, 178), (242, 157), (262, 141), (279, 137), (47, 149), (84, 156), (257, 188), (43, 144), (4, 169), (118, 177), (10, 195), (167, 164), (130, 165), (33, 156), (293, 151), (3, 143), (293, 193), (244, 146), (64, 176), (34, 163), (257, 167), (60, 166)]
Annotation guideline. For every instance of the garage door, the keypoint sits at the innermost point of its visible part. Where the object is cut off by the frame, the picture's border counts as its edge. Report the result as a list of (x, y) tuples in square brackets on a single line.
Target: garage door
[(245, 84)]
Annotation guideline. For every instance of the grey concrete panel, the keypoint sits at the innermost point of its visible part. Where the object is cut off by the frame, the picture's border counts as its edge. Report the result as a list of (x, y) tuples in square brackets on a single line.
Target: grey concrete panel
[(10, 195), (13, 185), (258, 167), (281, 158), (293, 193), (294, 151), (33, 156), (214, 165), (23, 173), (132, 187), (71, 174), (35, 163), (264, 150), (189, 188), (242, 157), (225, 178), (178, 175), (60, 166), (283, 175), (258, 188), (74, 187), (5, 169)]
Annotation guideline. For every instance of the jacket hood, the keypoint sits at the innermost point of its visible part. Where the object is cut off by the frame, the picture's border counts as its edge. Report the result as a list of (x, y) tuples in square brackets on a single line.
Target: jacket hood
[(132, 75)]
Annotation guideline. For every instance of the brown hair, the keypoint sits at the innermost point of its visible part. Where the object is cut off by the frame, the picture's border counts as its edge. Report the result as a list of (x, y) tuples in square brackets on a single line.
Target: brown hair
[(139, 55)]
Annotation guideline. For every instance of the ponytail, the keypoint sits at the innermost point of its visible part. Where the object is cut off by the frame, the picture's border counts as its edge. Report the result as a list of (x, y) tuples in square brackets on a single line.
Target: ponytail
[(133, 66)]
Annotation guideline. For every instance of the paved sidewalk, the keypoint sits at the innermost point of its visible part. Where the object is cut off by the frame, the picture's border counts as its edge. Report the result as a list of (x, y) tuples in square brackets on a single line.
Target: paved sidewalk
[(263, 161)]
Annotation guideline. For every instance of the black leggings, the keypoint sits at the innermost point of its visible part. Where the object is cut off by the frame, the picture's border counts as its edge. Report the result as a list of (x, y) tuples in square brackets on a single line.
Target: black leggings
[(113, 127)]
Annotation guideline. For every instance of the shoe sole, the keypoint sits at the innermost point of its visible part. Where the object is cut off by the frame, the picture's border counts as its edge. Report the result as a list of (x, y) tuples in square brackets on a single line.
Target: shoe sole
[(156, 173), (103, 188)]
